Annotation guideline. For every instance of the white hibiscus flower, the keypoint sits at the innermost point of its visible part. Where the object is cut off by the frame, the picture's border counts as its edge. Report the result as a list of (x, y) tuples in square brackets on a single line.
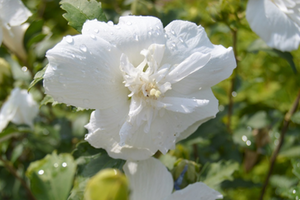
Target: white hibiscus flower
[(20, 108), (12, 13), (277, 22), (150, 86), (150, 180)]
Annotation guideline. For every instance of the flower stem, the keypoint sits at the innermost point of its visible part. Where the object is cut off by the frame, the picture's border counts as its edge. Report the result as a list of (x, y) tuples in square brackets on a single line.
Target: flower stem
[(286, 122), (13, 171), (230, 105)]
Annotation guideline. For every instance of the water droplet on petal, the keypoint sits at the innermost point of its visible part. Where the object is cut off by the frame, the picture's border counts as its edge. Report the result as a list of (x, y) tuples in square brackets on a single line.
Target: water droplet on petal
[(24, 69), (173, 33), (244, 138), (294, 191), (83, 48), (173, 45), (166, 36), (149, 33), (157, 33), (41, 172), (109, 49), (69, 39), (180, 39), (129, 23), (110, 23), (64, 164), (96, 31), (136, 38), (93, 36), (54, 67), (73, 55)]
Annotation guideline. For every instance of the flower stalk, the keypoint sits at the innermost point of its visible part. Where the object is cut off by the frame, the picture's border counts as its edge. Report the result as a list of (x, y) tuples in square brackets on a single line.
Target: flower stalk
[(286, 122)]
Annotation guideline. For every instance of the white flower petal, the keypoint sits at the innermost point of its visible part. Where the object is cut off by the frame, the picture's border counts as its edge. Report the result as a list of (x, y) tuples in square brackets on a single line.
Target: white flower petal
[(84, 72), (149, 179), (13, 39), (189, 38), (182, 105), (196, 191), (131, 35), (20, 108), (274, 26), (190, 65), (13, 12), (104, 128)]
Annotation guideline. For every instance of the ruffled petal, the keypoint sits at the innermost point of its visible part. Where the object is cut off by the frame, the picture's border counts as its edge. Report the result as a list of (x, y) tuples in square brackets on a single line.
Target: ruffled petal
[(13, 12), (196, 191), (84, 72), (149, 179), (104, 128), (275, 27), (131, 35), (13, 39), (185, 39)]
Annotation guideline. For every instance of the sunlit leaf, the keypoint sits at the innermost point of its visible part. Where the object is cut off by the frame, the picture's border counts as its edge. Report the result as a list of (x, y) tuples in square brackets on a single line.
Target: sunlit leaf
[(78, 11), (37, 77), (51, 178)]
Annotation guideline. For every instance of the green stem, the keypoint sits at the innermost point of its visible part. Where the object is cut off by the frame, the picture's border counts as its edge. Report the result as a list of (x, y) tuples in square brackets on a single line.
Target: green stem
[(286, 122)]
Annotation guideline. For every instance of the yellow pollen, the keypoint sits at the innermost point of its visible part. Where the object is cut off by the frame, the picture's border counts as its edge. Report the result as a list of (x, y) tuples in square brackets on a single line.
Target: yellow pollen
[(155, 92)]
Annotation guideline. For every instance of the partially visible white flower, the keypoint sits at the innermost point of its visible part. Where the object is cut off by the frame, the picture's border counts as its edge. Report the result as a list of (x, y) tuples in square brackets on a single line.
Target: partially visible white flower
[(13, 39), (277, 22), (149, 179), (150, 86), (19, 108), (12, 13)]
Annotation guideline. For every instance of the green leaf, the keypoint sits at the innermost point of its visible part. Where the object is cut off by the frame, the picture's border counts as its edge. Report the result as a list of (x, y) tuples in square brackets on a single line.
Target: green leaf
[(47, 99), (296, 167), (296, 118), (78, 11), (37, 77), (33, 33), (260, 45), (51, 178), (218, 172)]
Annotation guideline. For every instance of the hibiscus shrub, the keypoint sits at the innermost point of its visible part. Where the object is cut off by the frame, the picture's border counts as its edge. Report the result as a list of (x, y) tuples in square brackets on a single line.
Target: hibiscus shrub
[(149, 99)]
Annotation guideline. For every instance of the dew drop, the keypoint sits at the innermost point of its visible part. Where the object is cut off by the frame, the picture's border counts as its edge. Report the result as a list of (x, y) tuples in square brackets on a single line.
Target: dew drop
[(173, 45), (166, 36), (73, 55), (129, 23), (158, 28), (92, 36), (54, 67), (64, 164), (157, 33), (111, 33), (109, 49), (136, 38), (41, 172), (200, 88), (96, 31), (244, 138), (294, 191), (55, 165), (173, 33), (149, 33), (180, 39), (69, 39), (83, 48), (248, 143), (110, 23), (24, 69), (234, 94)]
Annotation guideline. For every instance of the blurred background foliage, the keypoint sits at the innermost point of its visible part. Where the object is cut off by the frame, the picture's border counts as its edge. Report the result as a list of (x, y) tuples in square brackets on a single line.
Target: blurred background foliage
[(233, 159)]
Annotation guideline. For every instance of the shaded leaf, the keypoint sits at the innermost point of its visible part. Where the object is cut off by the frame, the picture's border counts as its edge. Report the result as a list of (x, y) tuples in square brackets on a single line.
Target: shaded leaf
[(37, 77)]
